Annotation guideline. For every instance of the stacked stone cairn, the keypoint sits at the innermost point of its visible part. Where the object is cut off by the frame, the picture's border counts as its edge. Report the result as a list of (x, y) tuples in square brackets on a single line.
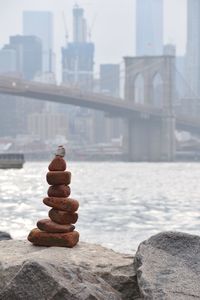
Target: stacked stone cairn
[(58, 230)]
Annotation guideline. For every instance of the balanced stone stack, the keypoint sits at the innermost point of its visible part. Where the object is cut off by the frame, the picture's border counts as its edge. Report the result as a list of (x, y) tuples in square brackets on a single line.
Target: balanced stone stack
[(58, 230)]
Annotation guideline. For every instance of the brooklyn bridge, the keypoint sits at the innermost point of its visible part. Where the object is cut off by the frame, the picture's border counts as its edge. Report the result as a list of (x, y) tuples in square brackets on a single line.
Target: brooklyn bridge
[(147, 106)]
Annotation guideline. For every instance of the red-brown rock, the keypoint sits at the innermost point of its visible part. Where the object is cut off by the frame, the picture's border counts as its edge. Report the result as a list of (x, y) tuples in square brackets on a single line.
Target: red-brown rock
[(62, 217), (57, 164), (50, 226), (60, 191), (58, 177), (42, 238), (66, 204)]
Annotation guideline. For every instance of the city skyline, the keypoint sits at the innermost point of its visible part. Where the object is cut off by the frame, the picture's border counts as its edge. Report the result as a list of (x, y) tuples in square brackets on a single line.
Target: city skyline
[(99, 13)]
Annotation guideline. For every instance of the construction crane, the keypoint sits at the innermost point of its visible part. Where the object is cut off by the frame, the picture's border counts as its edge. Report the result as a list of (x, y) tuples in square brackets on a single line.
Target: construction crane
[(90, 28)]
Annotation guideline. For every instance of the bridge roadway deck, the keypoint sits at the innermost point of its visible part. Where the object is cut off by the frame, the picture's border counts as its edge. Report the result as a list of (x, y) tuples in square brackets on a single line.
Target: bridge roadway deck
[(62, 94), (73, 96)]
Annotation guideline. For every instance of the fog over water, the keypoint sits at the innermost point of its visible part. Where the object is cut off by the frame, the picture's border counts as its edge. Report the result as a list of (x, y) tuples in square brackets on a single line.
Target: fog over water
[(121, 204)]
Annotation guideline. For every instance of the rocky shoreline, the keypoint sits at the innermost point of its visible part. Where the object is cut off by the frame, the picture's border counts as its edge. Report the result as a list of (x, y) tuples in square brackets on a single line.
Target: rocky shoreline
[(166, 266), (85, 272)]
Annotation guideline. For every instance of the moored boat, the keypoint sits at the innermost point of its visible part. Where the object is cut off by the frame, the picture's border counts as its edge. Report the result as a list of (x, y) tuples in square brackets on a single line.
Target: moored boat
[(11, 160)]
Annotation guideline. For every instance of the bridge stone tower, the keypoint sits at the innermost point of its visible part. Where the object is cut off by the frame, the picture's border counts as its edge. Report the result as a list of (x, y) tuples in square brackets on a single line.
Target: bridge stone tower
[(149, 83)]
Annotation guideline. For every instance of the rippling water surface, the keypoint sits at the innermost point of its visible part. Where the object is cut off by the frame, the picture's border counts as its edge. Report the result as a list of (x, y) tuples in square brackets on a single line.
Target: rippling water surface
[(121, 204)]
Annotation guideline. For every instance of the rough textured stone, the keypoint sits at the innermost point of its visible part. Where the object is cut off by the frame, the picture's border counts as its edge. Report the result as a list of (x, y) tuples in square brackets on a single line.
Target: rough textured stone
[(168, 267), (42, 238), (61, 191), (50, 226), (63, 217), (58, 177), (32, 273), (57, 164), (66, 204), (5, 236)]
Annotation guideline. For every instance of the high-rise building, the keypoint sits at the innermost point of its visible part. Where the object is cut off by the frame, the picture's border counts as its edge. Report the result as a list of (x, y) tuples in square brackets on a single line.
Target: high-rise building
[(28, 55), (149, 27), (169, 49), (8, 61), (77, 62), (22, 57), (106, 128), (77, 71), (40, 24), (79, 25), (28, 51), (193, 46), (9, 118), (8, 104), (78, 56), (110, 79), (180, 73)]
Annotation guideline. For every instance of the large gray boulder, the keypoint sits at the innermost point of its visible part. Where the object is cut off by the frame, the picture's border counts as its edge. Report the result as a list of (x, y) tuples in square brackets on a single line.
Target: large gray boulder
[(85, 272), (168, 267)]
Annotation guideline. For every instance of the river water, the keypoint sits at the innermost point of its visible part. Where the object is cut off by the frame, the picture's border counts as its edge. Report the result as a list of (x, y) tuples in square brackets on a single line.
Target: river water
[(121, 204)]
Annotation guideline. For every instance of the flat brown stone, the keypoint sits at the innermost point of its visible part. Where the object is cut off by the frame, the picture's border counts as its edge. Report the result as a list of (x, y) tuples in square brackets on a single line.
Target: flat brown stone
[(42, 238), (50, 226), (62, 217), (57, 164), (66, 204), (60, 191), (58, 177)]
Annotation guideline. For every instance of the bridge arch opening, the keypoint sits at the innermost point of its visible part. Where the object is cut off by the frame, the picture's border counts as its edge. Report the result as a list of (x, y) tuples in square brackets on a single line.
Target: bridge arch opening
[(158, 90), (139, 89)]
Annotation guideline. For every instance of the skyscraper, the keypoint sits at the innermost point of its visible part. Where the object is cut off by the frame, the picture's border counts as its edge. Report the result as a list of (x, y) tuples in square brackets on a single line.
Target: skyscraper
[(79, 25), (193, 46), (110, 79), (149, 27), (27, 63), (28, 53), (77, 71), (40, 24), (109, 85), (8, 61), (78, 56)]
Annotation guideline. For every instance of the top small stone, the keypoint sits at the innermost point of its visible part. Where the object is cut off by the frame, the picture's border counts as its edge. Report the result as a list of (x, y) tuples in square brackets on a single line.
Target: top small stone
[(58, 163)]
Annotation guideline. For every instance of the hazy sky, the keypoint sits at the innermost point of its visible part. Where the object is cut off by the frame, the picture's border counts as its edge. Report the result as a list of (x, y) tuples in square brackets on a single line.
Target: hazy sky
[(114, 29)]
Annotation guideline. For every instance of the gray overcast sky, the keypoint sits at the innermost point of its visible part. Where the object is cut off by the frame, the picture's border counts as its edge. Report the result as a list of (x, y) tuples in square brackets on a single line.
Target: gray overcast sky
[(114, 29)]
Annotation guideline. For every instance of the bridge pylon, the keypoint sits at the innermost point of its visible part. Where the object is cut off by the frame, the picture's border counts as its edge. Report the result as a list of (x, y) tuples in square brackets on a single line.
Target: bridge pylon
[(149, 82)]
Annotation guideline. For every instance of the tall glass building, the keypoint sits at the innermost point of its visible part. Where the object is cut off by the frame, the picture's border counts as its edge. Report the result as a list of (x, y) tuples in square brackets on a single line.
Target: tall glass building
[(78, 56), (28, 55), (193, 47), (40, 24), (79, 25), (149, 27)]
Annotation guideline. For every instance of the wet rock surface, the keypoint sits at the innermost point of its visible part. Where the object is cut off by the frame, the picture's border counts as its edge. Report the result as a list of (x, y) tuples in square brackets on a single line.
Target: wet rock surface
[(85, 272), (168, 267)]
